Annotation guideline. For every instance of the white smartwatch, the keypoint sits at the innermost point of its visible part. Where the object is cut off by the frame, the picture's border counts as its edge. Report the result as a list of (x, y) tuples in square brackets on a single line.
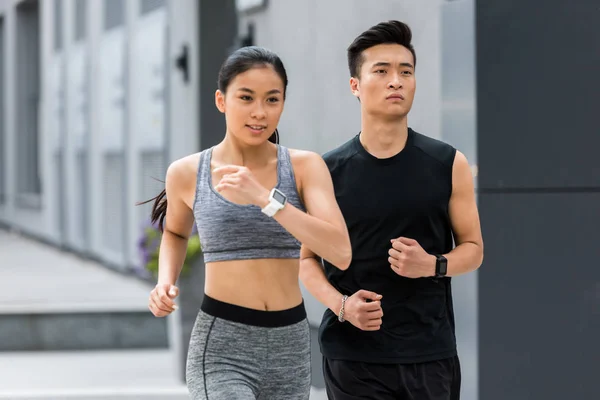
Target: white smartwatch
[(277, 201)]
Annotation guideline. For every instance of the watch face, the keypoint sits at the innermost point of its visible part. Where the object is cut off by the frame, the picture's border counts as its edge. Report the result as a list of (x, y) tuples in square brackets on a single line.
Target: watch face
[(278, 196), (443, 267)]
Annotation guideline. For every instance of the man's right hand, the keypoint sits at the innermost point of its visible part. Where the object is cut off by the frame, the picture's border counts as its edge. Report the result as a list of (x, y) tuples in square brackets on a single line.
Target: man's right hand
[(363, 314), (161, 299)]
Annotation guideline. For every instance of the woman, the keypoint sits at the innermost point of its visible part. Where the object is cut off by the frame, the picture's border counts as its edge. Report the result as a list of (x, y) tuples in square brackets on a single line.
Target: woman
[(254, 203)]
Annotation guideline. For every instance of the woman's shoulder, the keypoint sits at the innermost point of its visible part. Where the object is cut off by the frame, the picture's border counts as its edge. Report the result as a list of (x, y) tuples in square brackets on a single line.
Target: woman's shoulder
[(306, 162), (301, 157), (184, 170)]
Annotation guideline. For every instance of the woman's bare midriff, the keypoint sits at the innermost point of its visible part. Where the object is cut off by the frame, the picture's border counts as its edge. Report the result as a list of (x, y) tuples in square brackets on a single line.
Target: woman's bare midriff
[(265, 284)]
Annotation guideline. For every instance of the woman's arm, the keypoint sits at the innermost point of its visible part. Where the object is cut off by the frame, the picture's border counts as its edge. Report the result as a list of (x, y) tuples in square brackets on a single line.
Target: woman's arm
[(179, 221), (322, 229)]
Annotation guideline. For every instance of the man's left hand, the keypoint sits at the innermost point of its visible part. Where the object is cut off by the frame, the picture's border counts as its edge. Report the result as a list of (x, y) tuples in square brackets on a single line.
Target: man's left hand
[(407, 258)]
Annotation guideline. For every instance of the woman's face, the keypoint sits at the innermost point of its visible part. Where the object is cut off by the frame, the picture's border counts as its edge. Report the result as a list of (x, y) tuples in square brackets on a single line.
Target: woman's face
[(252, 104)]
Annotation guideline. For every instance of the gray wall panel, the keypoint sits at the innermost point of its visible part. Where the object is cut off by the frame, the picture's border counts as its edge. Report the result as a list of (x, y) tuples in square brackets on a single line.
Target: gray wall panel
[(537, 93), (218, 33), (27, 67), (3, 141), (459, 129), (540, 296), (539, 288)]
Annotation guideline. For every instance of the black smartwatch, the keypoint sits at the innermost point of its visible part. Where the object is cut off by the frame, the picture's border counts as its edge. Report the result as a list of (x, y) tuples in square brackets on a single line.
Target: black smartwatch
[(441, 266)]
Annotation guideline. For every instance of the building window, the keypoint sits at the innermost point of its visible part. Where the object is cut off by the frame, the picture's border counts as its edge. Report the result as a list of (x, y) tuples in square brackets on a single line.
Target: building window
[(27, 96)]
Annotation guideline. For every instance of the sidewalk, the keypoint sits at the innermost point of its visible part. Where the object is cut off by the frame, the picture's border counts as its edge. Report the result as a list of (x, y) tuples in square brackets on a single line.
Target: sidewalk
[(40, 279)]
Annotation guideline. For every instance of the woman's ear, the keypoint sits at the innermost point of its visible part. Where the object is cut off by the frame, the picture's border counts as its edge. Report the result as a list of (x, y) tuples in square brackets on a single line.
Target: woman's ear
[(220, 101)]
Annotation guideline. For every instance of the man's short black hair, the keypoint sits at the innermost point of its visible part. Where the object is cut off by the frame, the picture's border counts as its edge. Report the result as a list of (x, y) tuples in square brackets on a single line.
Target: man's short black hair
[(383, 33)]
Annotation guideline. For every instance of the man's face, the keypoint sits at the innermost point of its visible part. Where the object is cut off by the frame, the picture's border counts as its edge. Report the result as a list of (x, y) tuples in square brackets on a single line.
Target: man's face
[(386, 85)]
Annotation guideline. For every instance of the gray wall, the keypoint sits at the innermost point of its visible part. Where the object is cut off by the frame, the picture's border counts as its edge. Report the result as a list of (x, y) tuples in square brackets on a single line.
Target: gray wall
[(217, 28), (2, 121), (459, 129), (539, 187), (25, 193), (28, 100)]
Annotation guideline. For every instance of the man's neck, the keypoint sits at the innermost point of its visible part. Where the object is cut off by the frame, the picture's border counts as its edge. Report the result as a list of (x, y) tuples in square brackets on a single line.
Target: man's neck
[(383, 138)]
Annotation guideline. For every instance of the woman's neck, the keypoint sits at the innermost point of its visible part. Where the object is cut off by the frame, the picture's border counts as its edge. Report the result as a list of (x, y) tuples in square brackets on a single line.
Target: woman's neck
[(232, 151)]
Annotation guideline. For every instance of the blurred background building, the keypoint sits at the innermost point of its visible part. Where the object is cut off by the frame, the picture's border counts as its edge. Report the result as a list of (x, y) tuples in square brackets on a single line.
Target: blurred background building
[(97, 97)]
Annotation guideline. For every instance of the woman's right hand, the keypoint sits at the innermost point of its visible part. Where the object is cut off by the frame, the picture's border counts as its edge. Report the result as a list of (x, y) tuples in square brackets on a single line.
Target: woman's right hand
[(161, 299)]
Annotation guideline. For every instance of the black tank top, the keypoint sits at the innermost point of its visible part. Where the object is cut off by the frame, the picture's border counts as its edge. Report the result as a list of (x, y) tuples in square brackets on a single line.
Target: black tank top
[(382, 199)]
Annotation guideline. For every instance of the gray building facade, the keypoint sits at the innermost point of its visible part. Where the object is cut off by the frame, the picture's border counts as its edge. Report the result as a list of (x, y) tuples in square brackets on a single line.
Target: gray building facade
[(97, 97), (539, 184)]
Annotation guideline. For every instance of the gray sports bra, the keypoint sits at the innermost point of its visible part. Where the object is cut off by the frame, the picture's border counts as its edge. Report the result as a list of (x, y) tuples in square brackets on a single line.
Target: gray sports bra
[(229, 231)]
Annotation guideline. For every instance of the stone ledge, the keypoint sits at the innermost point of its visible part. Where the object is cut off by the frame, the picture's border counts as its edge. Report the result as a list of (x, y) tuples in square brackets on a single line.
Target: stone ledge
[(175, 393), (82, 331)]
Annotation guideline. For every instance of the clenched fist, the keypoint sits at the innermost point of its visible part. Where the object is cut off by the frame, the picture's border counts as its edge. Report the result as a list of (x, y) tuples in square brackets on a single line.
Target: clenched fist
[(240, 186), (161, 299), (363, 314), (407, 258)]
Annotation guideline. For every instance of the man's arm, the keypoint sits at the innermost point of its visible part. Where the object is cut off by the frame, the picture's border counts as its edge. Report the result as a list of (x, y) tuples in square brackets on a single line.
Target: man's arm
[(407, 257), (360, 313), (467, 256)]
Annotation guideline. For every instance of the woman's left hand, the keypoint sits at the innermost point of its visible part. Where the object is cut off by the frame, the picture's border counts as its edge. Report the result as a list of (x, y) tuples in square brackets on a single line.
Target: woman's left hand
[(240, 186)]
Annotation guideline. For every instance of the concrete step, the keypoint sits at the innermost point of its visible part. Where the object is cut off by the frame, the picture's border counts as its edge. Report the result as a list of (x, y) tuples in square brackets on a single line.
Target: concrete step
[(121, 394), (130, 374), (53, 300), (102, 394), (77, 330)]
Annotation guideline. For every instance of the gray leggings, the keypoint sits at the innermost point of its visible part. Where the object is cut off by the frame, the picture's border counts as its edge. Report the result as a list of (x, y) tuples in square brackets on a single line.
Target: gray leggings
[(238, 353)]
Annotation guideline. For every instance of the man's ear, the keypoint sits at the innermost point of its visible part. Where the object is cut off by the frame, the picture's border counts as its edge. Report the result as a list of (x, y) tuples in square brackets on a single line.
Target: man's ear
[(355, 87), (220, 101)]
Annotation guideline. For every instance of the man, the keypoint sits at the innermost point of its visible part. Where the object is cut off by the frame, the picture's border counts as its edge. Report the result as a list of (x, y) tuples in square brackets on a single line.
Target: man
[(388, 332)]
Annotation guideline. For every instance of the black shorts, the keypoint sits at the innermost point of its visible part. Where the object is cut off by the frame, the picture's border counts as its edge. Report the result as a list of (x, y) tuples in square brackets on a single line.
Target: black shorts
[(434, 380)]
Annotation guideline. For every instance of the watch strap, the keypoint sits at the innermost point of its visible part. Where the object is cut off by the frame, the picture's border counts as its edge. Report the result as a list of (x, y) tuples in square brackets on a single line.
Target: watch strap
[(274, 205), (271, 208)]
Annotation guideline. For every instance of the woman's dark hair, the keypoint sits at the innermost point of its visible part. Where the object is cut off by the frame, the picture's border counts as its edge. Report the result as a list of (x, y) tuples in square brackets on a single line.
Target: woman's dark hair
[(237, 63), (383, 33)]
